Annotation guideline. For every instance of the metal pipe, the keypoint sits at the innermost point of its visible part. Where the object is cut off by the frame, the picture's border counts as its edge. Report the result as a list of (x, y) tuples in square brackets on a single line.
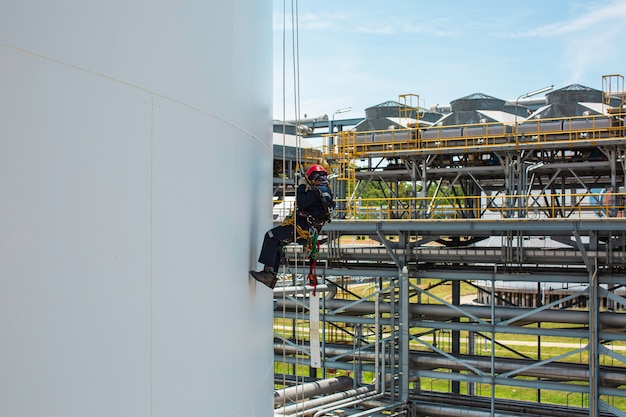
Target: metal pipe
[(312, 406), (378, 409), (403, 336), (609, 376), (332, 290), (443, 312), (311, 389), (515, 407), (383, 367), (350, 403), (331, 402), (455, 411), (593, 373), (300, 289), (492, 356), (377, 340)]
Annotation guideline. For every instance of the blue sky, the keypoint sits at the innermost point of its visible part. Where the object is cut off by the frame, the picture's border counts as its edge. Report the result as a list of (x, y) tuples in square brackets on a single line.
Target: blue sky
[(360, 53)]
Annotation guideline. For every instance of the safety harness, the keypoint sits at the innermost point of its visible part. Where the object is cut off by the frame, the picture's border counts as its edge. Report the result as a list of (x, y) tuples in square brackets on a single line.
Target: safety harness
[(302, 234), (312, 246), (311, 236)]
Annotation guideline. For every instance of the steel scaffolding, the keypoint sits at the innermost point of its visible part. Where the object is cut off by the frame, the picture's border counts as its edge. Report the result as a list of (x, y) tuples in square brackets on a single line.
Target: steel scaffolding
[(526, 219)]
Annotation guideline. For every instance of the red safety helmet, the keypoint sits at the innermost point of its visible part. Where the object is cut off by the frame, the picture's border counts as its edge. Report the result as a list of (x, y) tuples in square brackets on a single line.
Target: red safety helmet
[(315, 169)]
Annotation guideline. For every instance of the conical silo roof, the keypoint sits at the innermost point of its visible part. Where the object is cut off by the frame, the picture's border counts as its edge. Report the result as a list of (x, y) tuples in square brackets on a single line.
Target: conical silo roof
[(387, 115), (386, 109), (574, 93), (477, 101), (474, 108), (570, 101)]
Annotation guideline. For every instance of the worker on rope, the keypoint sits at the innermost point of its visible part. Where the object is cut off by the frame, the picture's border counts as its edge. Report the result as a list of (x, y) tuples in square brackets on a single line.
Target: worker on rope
[(314, 205)]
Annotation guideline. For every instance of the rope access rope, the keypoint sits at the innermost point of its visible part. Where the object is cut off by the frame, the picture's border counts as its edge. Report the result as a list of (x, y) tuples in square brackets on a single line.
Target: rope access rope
[(299, 162), (310, 236), (284, 183), (298, 232)]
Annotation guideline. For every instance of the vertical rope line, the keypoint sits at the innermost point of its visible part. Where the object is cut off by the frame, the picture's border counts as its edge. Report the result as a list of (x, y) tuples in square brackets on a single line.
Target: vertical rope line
[(296, 58), (296, 87), (296, 102), (284, 109), (298, 145), (296, 92)]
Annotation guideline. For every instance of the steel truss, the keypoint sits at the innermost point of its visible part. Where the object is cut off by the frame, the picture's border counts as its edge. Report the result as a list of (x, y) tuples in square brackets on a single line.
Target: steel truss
[(551, 318), (404, 321)]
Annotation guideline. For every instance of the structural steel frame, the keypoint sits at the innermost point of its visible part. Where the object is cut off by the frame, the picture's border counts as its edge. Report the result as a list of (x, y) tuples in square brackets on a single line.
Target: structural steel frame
[(539, 189)]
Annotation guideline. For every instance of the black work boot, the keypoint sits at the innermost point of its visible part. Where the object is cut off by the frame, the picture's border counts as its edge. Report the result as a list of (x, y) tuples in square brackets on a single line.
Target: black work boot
[(265, 277)]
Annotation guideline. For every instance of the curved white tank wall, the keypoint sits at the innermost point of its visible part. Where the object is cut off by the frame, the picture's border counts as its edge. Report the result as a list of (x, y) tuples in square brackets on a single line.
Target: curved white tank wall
[(135, 160)]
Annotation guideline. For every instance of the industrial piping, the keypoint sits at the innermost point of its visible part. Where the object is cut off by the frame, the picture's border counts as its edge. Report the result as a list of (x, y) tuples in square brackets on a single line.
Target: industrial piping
[(311, 406), (312, 389), (428, 360), (443, 312)]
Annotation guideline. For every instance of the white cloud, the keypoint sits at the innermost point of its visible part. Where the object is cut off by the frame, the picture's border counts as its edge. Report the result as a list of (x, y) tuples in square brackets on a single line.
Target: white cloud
[(306, 21), (599, 18), (584, 46), (359, 57)]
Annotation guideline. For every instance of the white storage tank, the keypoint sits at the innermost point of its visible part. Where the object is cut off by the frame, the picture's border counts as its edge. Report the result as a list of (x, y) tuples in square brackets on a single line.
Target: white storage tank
[(135, 187)]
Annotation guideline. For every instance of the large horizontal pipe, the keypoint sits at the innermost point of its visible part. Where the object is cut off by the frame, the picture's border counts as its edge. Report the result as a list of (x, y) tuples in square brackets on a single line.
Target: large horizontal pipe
[(609, 376), (438, 410), (452, 411), (311, 406), (425, 399), (443, 312), (311, 389), (300, 289)]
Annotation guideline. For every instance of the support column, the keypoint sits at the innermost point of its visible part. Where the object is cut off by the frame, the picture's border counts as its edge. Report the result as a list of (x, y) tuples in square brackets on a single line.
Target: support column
[(593, 341), (456, 334), (403, 336)]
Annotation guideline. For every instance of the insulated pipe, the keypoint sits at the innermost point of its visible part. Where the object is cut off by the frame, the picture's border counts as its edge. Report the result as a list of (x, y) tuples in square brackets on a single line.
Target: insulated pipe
[(452, 411), (332, 290), (312, 406), (301, 289), (379, 409), (312, 389), (340, 404), (609, 376), (443, 312), (556, 370), (503, 406)]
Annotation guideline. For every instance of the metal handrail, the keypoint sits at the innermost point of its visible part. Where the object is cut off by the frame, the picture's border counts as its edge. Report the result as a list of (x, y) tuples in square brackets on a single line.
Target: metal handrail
[(487, 136), (519, 206)]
